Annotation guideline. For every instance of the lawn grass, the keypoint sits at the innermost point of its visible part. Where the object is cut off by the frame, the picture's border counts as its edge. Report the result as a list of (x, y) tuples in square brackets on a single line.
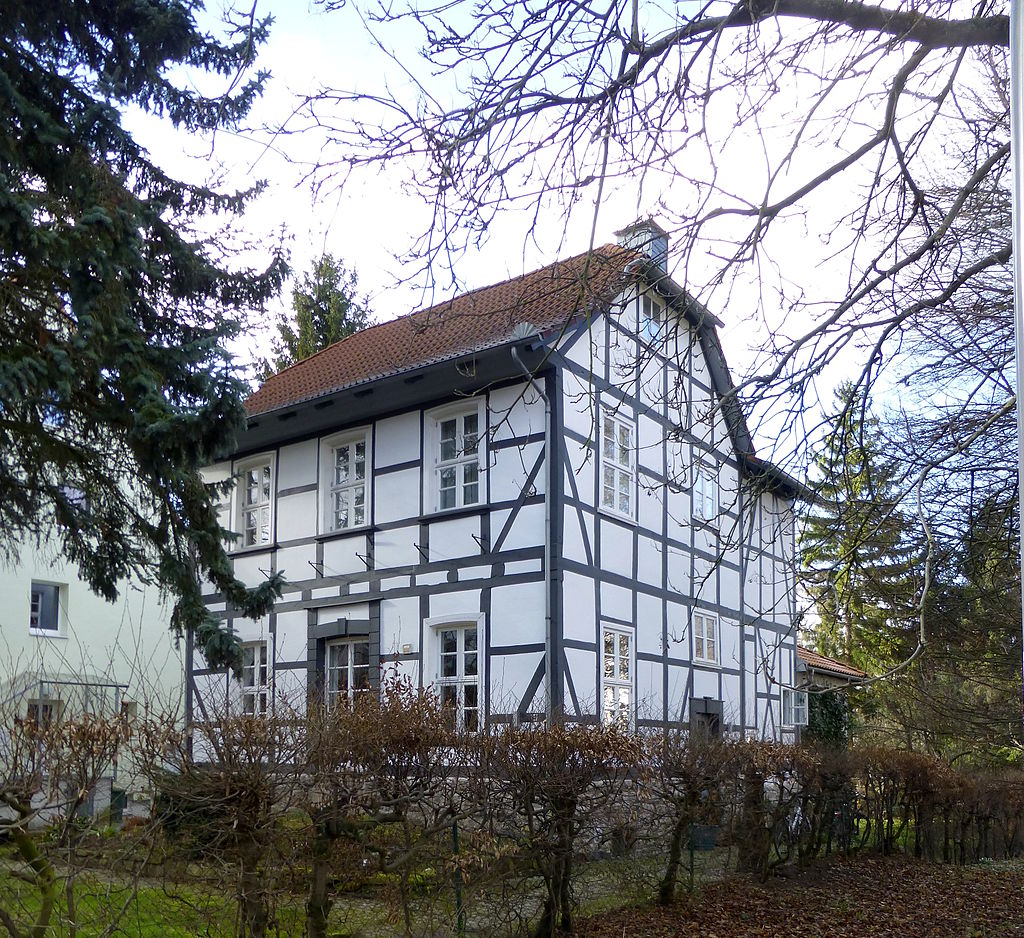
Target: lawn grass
[(867, 897)]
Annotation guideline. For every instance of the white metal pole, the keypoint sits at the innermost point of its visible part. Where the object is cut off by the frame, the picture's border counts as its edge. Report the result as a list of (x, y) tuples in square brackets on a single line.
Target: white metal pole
[(1017, 157)]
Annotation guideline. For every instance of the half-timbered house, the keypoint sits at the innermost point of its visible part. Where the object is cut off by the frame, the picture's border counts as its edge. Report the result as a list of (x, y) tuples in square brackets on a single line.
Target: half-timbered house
[(539, 498)]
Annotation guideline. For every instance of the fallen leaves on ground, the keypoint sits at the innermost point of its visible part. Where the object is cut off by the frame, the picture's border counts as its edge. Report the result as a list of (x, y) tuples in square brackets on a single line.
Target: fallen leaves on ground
[(860, 898)]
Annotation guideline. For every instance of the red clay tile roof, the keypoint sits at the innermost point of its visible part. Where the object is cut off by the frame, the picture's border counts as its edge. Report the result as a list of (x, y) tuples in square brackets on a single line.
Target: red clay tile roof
[(822, 663), (546, 299)]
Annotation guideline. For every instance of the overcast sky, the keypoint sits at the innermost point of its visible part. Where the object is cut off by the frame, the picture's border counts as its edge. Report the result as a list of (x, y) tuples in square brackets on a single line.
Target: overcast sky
[(373, 219)]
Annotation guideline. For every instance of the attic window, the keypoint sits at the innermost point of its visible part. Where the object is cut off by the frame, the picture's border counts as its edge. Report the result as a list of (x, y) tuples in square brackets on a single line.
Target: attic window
[(653, 316)]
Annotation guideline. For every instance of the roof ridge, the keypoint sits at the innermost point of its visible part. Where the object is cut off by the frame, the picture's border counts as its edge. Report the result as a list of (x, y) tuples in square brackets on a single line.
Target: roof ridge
[(428, 309)]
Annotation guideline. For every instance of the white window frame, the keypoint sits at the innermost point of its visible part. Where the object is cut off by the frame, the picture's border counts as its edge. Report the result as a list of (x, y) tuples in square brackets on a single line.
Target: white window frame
[(47, 710), (705, 492), (437, 626), (255, 678), (331, 695), (328, 448), (652, 318), (707, 627), (611, 462), (437, 464), (794, 707), (240, 506), (59, 589), (620, 705)]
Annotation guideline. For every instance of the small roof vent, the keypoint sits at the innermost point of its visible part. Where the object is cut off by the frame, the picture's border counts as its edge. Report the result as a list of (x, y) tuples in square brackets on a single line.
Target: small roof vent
[(524, 330), (647, 237)]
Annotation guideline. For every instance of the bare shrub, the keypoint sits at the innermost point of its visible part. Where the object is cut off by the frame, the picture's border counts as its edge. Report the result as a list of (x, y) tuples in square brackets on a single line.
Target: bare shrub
[(547, 784), (228, 809)]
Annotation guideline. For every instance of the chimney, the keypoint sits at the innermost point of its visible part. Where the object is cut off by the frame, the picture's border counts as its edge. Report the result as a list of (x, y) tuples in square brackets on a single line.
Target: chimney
[(647, 237)]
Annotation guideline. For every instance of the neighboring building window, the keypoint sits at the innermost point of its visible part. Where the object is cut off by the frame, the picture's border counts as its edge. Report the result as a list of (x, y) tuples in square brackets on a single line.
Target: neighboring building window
[(653, 317), (255, 685), (347, 477), (705, 637), (616, 675), (255, 485), (44, 712), (44, 608), (457, 479), (348, 671), (794, 707), (459, 675), (705, 493), (618, 466)]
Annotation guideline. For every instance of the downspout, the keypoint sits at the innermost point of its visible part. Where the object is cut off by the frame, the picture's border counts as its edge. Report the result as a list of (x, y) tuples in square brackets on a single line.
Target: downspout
[(548, 663)]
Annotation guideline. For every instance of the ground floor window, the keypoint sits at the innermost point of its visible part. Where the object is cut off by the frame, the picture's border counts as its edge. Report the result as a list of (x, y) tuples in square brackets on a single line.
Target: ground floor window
[(255, 680), (616, 675), (44, 712), (459, 675), (794, 707), (348, 671)]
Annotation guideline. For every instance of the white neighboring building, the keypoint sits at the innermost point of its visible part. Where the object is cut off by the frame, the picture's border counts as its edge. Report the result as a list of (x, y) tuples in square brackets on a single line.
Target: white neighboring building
[(65, 650), (539, 498)]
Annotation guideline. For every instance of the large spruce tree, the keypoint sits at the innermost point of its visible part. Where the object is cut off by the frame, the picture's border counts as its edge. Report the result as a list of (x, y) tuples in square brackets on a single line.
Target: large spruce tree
[(326, 307), (858, 548), (115, 388)]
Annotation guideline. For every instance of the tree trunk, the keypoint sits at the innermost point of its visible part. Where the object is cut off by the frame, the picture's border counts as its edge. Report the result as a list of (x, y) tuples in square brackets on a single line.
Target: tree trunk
[(46, 879), (252, 896), (318, 905), (667, 886), (754, 839)]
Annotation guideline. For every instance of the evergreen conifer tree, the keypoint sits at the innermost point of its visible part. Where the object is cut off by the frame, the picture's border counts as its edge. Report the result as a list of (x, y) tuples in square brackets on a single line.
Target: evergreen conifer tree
[(115, 389), (325, 308), (857, 551)]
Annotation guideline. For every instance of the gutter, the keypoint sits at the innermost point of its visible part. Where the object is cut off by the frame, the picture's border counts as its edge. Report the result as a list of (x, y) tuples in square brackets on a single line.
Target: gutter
[(548, 663)]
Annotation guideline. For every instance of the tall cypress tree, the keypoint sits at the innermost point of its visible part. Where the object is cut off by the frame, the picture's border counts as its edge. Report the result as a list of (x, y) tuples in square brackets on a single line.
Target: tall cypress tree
[(114, 385)]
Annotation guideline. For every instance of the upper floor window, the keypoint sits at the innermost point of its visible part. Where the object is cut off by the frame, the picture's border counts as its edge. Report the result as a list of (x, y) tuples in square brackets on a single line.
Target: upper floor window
[(255, 488), (794, 707), (618, 466), (705, 492), (705, 638), (44, 608), (653, 318), (348, 671), (347, 473), (255, 678), (458, 676), (457, 478), (616, 675)]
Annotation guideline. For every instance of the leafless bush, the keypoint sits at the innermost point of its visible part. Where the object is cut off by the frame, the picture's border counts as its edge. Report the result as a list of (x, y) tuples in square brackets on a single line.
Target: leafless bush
[(689, 780), (383, 777), (49, 770), (227, 809), (548, 785)]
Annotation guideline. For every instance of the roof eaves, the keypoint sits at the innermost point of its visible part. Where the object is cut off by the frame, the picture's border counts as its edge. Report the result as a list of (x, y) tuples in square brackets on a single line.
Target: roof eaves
[(393, 373)]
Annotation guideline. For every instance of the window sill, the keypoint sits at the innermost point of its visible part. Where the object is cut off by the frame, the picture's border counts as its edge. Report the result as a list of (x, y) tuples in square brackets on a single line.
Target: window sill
[(47, 633), (439, 514), (617, 515), (706, 663), (344, 532), (255, 549)]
